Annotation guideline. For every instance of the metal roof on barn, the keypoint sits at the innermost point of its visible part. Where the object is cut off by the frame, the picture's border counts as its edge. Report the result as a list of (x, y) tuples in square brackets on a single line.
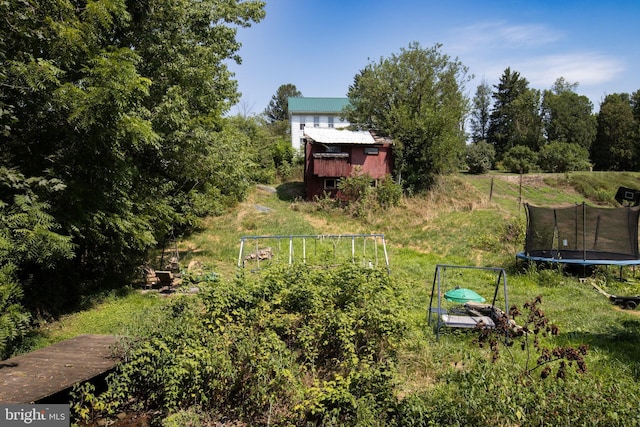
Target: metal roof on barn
[(339, 136), (316, 105)]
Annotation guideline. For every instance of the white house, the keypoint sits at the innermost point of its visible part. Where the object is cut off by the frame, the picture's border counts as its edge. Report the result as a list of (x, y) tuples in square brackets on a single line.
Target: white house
[(314, 112)]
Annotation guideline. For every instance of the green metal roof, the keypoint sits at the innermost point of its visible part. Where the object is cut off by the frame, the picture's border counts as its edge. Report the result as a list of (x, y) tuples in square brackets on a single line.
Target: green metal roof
[(316, 105)]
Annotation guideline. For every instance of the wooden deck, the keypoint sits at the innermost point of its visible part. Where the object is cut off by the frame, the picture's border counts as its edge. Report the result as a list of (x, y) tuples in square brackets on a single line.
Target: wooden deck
[(34, 376)]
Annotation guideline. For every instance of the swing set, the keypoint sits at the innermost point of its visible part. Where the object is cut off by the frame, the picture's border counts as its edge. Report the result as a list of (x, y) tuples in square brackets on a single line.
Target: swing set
[(368, 250)]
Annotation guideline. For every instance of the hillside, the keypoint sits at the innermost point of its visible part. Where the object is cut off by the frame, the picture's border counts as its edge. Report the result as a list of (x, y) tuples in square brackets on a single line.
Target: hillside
[(467, 218), (402, 372)]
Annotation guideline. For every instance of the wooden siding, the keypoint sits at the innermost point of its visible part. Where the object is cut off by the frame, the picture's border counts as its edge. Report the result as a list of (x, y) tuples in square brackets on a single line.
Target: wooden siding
[(320, 165), (331, 166)]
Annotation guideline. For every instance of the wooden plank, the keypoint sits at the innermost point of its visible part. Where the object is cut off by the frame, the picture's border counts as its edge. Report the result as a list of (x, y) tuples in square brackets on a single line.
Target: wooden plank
[(31, 377), (457, 321)]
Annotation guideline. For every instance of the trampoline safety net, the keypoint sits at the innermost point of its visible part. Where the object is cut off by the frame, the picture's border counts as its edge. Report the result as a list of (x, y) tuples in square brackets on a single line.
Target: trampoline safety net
[(582, 232)]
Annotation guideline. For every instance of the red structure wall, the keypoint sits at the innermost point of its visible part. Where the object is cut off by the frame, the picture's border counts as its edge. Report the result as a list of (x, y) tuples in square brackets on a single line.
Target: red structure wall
[(323, 166)]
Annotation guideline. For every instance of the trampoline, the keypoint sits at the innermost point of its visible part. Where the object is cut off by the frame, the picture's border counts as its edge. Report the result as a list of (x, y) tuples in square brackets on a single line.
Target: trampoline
[(582, 235)]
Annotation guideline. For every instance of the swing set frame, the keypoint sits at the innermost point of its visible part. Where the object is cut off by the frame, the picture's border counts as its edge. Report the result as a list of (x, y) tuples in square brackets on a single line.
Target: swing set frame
[(264, 250)]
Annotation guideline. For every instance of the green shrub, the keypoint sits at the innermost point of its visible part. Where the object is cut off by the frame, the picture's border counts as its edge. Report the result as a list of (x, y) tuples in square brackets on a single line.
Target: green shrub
[(491, 395), (14, 318), (282, 153), (520, 159), (480, 157), (563, 157), (388, 193), (294, 345), (356, 187)]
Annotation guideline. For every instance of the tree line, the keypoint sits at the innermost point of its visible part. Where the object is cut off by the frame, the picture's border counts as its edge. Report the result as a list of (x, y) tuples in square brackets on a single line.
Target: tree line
[(554, 130)]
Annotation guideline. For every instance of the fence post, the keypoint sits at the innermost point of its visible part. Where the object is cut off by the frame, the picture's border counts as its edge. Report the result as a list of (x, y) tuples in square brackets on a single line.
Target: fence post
[(491, 190)]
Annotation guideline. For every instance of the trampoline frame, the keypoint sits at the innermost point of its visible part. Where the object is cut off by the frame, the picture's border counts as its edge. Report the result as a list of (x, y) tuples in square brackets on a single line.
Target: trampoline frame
[(574, 261), (581, 256)]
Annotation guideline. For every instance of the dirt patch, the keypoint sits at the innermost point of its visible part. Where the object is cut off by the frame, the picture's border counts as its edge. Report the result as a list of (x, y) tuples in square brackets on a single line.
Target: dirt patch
[(529, 179), (631, 312)]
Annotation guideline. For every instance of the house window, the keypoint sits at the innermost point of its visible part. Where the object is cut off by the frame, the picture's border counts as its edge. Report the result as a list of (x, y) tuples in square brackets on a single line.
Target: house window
[(302, 120), (331, 183), (371, 151), (316, 121), (333, 149), (330, 121)]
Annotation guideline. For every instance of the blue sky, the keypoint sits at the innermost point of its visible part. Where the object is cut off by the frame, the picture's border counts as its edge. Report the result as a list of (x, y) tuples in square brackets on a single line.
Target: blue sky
[(320, 46)]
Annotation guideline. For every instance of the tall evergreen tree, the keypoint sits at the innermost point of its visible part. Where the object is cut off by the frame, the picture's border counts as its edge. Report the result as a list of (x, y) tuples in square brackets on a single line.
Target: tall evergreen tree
[(278, 108), (515, 118)]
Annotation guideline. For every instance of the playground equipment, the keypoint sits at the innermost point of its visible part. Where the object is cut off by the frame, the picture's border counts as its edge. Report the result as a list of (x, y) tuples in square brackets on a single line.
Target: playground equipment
[(582, 235), (467, 311), (368, 250)]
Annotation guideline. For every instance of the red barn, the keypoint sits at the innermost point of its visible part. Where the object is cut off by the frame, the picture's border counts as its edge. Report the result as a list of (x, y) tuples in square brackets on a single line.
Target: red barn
[(331, 154)]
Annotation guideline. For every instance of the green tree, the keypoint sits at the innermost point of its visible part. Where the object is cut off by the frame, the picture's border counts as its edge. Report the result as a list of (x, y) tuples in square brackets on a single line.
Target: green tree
[(30, 247), (615, 147), (123, 103), (635, 105), (278, 108), (416, 97), (480, 157), (563, 157), (567, 116), (520, 159), (481, 112), (515, 118)]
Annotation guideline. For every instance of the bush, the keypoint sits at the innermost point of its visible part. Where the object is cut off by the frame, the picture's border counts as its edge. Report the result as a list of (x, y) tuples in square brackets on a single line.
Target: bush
[(359, 197), (563, 157), (355, 187), (520, 159), (480, 157), (282, 152), (14, 318), (388, 193), (293, 346)]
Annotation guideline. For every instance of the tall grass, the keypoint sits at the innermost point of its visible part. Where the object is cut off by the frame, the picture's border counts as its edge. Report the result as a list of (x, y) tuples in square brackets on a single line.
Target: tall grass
[(464, 220)]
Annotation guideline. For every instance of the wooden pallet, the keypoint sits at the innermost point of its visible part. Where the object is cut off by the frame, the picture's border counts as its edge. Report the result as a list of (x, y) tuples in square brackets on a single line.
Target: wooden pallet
[(32, 377)]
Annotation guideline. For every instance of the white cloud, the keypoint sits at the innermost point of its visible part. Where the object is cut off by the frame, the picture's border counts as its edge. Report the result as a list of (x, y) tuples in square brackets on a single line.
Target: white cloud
[(538, 52), (596, 73), (486, 36), (586, 68)]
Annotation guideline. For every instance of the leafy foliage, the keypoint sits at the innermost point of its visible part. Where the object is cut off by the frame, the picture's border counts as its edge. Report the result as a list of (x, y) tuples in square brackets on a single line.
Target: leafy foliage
[(388, 193), (563, 157), (29, 244), (520, 159), (480, 113), (480, 157), (294, 345), (615, 147), (359, 197), (416, 97), (120, 104), (568, 116)]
